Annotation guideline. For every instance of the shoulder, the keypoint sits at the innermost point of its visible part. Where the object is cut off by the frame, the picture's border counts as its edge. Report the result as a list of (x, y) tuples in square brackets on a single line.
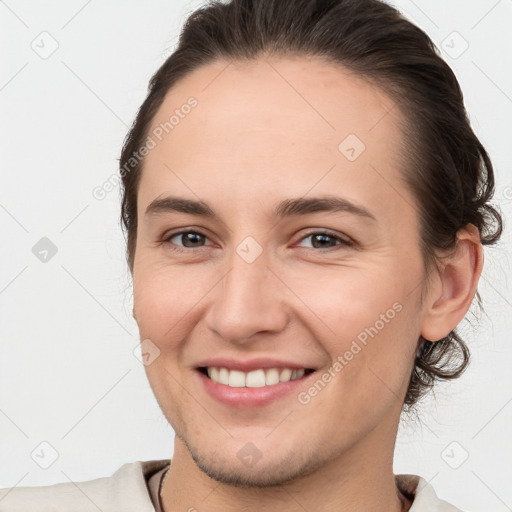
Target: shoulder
[(423, 495), (125, 490)]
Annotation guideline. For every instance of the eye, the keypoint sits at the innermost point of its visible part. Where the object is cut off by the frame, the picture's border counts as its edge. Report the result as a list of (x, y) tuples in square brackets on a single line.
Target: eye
[(194, 239), (189, 239), (325, 240)]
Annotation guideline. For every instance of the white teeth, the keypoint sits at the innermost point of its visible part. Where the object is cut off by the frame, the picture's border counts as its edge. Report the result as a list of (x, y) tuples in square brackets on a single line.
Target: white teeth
[(223, 376), (285, 375), (236, 379), (272, 377), (255, 378)]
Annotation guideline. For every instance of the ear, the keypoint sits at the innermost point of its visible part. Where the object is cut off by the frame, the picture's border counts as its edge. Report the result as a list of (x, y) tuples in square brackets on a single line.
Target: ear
[(456, 287), (133, 313)]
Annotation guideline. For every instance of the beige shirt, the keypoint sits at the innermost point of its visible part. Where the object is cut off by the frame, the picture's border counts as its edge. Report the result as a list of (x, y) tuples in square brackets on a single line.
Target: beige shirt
[(135, 486)]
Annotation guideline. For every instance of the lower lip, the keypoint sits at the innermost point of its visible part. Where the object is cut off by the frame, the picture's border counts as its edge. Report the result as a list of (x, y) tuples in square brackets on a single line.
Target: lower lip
[(249, 398)]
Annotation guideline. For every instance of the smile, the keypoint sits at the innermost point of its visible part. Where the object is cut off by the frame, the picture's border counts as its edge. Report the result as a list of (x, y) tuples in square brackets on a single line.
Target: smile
[(255, 378), (257, 388)]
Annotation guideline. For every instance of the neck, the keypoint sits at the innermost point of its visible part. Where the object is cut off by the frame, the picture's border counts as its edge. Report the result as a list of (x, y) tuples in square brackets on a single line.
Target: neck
[(344, 483)]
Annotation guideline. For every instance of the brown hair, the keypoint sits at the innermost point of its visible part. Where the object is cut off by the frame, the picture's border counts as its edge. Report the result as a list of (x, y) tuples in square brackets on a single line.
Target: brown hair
[(447, 168)]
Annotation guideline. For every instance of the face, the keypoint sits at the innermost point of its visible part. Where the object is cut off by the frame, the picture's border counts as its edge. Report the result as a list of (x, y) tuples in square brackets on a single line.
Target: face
[(305, 254)]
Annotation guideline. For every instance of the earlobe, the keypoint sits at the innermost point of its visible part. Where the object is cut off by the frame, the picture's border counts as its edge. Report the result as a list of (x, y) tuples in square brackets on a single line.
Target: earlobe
[(459, 277)]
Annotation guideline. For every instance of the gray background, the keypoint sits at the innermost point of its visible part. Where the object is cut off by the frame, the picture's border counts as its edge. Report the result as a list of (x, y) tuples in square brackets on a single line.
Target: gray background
[(74, 400)]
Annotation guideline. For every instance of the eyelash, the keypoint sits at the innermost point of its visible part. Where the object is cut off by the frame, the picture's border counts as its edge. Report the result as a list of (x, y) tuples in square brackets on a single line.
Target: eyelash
[(343, 242)]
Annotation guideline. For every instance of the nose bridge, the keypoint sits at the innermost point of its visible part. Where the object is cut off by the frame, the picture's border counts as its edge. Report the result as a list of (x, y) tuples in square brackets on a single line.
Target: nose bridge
[(248, 299)]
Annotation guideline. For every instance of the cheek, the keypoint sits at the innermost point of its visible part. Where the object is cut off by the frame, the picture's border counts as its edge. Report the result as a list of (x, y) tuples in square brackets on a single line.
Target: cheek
[(345, 301), (369, 320), (164, 300)]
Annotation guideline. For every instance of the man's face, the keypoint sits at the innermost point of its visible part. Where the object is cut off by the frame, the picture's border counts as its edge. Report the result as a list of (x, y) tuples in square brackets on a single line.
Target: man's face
[(336, 291)]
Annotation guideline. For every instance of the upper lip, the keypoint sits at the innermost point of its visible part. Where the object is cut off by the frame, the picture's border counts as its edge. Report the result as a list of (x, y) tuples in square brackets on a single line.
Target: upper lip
[(252, 364)]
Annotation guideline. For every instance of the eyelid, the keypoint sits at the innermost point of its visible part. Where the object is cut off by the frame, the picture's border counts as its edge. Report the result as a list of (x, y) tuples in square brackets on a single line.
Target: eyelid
[(345, 240), (166, 237)]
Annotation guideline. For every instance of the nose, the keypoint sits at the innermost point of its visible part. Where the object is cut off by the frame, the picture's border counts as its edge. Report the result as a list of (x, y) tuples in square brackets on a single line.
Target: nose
[(250, 300)]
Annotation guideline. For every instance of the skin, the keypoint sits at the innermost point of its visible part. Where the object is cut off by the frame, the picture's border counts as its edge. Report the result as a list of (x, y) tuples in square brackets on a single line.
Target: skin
[(264, 131)]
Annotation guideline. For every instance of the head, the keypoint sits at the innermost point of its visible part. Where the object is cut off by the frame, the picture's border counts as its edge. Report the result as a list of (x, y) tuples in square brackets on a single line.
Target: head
[(332, 201)]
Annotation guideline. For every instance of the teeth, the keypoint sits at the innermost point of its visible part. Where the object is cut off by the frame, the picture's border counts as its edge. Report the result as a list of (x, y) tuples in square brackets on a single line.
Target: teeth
[(236, 379), (254, 378), (223, 376), (285, 375), (272, 377)]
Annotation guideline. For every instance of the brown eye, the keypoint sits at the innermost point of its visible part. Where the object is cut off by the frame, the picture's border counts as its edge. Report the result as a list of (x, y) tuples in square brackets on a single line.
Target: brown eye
[(321, 240), (186, 239)]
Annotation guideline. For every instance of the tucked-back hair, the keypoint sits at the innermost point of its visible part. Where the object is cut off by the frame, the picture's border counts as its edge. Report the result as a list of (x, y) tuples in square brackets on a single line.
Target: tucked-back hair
[(445, 166)]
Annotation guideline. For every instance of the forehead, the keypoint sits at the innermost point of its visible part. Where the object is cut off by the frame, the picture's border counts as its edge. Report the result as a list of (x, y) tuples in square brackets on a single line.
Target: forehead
[(272, 128)]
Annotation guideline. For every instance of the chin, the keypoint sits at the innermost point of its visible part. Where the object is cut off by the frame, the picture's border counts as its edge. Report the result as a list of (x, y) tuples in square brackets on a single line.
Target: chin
[(249, 468)]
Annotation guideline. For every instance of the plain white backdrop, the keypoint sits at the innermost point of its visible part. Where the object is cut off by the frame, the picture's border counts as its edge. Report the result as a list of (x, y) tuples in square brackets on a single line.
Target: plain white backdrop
[(75, 403)]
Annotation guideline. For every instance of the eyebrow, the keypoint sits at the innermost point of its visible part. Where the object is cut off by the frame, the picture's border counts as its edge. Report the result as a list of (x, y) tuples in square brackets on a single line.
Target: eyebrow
[(286, 208)]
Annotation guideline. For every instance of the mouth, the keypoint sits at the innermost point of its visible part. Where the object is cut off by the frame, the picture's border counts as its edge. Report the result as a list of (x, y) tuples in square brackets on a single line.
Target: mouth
[(253, 383), (258, 378)]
